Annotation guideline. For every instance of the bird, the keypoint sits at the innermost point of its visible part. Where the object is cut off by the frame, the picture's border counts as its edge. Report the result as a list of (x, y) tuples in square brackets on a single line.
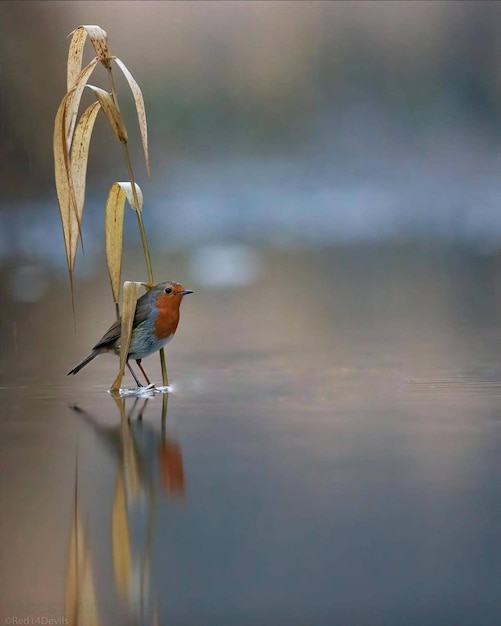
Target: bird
[(155, 322)]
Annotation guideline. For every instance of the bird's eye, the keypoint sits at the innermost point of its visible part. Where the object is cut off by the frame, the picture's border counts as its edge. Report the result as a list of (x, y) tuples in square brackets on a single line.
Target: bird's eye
[(168, 290)]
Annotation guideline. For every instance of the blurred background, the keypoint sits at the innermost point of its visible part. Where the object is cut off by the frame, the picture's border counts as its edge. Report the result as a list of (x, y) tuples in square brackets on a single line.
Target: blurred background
[(325, 177), (282, 124)]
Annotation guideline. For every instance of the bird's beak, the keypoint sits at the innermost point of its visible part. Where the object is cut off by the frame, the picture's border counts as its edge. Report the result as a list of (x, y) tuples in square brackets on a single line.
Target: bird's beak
[(185, 292)]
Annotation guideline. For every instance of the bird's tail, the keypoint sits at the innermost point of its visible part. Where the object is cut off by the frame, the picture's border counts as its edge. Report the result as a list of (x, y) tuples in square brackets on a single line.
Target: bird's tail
[(83, 363)]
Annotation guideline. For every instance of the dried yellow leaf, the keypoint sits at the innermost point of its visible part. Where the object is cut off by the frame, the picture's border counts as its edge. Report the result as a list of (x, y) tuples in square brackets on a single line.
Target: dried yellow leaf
[(75, 56), (111, 111), (74, 97), (129, 299), (113, 231), (140, 108), (64, 186), (70, 170), (78, 170), (99, 40)]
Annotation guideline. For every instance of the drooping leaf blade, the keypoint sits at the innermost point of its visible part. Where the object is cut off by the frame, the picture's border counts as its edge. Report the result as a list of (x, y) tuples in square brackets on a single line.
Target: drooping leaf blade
[(113, 227), (140, 109), (78, 171), (113, 232), (73, 103), (111, 111), (99, 40), (64, 187), (127, 189)]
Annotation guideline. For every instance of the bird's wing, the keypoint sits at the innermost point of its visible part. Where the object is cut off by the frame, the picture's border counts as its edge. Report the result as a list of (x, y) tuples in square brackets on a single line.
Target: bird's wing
[(110, 336), (143, 307)]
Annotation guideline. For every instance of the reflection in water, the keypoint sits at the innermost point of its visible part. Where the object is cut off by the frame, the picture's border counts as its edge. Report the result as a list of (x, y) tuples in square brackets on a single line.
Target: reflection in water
[(341, 442), (147, 463), (80, 605)]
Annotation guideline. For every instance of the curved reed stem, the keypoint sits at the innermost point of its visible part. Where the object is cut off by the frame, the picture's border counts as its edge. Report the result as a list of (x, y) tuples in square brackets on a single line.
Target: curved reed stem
[(140, 223)]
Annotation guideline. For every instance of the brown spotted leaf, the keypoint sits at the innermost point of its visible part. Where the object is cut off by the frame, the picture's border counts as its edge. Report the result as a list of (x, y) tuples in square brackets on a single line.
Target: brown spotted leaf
[(75, 56), (99, 40)]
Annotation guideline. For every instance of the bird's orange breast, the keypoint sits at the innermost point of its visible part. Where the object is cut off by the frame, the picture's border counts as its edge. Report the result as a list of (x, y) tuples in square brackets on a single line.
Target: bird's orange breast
[(167, 317)]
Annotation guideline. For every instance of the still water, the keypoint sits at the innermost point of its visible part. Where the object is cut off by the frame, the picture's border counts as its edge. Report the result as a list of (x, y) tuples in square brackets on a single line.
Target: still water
[(330, 454)]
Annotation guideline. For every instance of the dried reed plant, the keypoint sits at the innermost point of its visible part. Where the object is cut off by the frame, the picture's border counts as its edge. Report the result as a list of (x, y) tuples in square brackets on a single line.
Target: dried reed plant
[(71, 151)]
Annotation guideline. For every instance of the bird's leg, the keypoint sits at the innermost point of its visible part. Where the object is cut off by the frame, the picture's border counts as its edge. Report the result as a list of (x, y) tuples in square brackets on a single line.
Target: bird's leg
[(134, 376), (138, 361)]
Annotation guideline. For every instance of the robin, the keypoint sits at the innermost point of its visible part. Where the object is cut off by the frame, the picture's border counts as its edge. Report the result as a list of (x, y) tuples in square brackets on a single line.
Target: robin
[(155, 322)]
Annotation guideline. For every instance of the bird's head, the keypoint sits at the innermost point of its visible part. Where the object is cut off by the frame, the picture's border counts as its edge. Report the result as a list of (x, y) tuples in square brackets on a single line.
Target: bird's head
[(168, 293)]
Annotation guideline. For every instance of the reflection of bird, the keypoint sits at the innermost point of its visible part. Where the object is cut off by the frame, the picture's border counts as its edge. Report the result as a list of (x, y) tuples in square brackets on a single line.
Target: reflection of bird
[(155, 322), (171, 467), (147, 459)]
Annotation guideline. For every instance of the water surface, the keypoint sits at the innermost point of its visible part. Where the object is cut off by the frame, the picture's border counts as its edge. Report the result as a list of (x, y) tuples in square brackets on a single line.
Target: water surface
[(330, 454)]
